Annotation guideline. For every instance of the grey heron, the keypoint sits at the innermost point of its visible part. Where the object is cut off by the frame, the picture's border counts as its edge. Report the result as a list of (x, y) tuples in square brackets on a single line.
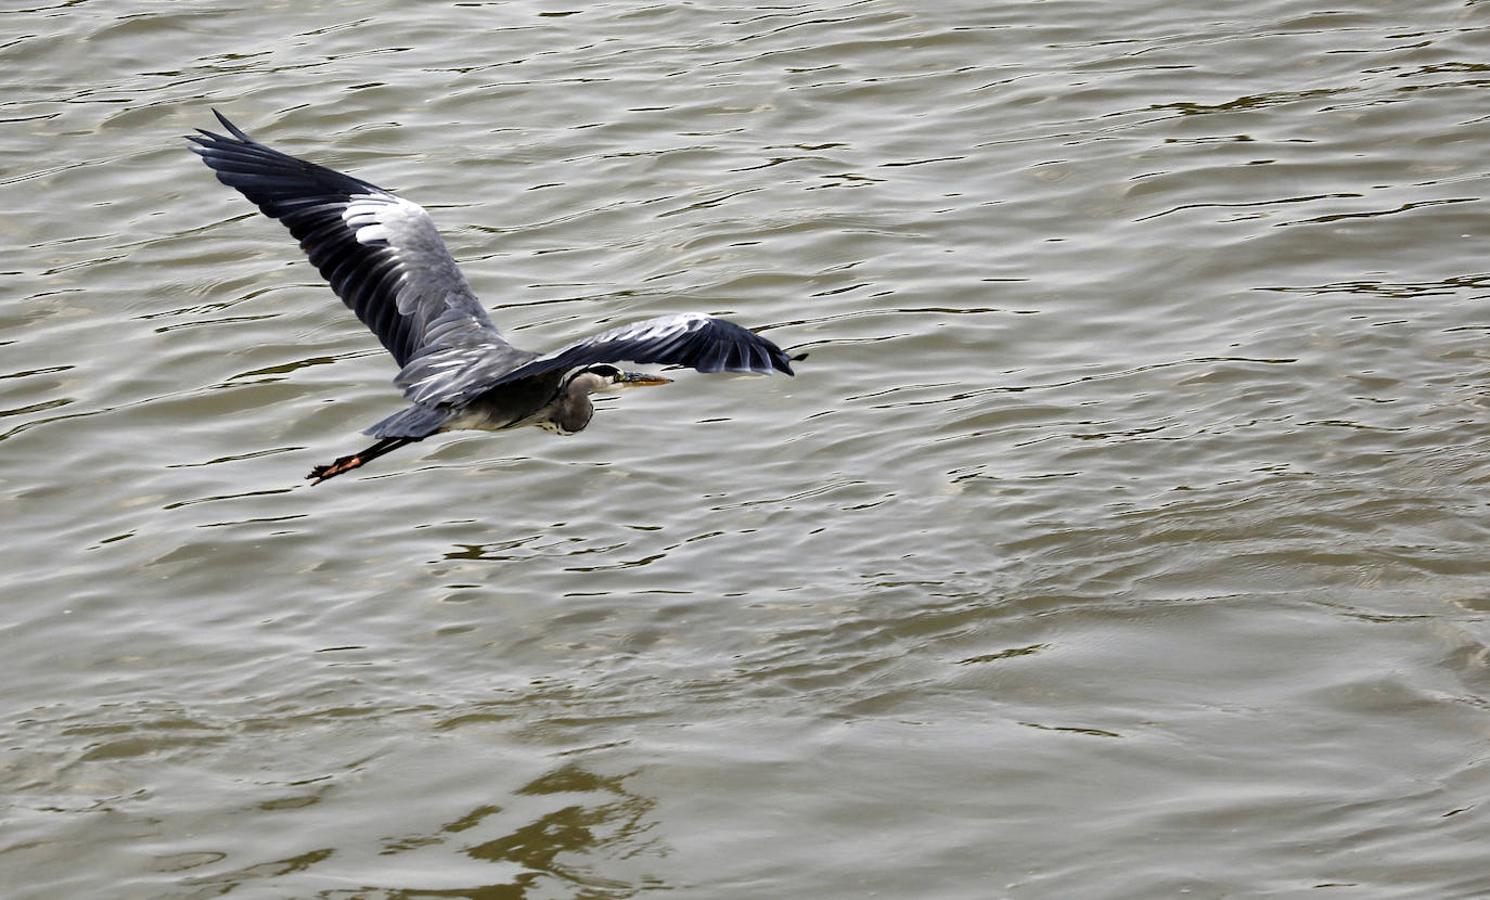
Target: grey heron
[(384, 258)]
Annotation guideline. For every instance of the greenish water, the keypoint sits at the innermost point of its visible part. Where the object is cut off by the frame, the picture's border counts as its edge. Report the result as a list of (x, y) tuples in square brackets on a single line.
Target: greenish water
[(1124, 536)]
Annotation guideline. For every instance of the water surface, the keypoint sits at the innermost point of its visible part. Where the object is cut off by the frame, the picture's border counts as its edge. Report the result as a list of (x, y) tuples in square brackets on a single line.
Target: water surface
[(1124, 535)]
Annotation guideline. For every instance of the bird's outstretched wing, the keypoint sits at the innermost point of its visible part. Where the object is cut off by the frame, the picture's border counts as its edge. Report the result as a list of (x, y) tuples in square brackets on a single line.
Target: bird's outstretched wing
[(689, 339), (381, 253)]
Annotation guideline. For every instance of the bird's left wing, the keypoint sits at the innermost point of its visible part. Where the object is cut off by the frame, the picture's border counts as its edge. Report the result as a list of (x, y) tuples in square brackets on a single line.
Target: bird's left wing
[(380, 252), (690, 339)]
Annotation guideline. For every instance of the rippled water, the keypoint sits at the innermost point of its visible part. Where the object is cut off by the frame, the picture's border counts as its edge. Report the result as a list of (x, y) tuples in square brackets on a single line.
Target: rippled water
[(1125, 534)]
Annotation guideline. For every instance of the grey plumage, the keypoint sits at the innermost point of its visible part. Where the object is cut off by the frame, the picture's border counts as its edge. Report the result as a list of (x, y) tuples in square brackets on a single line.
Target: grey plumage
[(384, 258)]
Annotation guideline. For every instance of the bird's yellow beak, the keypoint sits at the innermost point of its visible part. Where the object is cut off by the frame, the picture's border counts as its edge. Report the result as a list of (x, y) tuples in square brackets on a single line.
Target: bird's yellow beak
[(641, 379)]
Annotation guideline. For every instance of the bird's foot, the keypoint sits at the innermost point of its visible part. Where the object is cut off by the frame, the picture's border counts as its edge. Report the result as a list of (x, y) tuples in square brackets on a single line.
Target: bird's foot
[(345, 464)]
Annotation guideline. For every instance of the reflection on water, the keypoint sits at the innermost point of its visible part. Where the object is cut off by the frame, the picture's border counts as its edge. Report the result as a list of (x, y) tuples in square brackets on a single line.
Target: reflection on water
[(558, 825), (599, 818), (545, 841), (1123, 535)]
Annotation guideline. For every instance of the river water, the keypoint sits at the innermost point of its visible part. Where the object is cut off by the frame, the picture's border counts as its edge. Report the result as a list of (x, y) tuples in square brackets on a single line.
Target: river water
[(1125, 534)]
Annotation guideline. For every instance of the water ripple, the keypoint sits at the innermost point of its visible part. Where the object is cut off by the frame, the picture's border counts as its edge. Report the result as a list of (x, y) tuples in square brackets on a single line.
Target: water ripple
[(1107, 514)]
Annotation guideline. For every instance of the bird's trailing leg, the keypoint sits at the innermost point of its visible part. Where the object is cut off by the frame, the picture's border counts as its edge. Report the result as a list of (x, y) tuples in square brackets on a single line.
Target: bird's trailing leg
[(348, 463)]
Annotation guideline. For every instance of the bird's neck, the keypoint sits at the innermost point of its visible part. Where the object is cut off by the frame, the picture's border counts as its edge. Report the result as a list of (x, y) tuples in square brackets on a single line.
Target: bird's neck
[(573, 409)]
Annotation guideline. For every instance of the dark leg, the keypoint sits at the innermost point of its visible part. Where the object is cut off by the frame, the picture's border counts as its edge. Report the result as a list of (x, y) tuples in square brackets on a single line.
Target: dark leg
[(348, 463)]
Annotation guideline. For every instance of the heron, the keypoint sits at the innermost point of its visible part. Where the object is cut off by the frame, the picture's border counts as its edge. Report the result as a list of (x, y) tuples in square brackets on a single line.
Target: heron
[(384, 258)]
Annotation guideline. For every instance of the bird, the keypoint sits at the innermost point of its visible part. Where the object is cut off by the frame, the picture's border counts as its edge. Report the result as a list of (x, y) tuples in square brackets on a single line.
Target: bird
[(384, 258)]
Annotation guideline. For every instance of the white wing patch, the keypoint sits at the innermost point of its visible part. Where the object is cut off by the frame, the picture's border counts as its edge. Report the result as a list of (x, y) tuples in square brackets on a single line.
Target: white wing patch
[(376, 217)]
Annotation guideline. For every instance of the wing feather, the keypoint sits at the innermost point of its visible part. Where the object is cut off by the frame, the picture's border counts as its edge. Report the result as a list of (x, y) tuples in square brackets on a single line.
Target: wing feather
[(697, 341), (691, 339), (381, 254)]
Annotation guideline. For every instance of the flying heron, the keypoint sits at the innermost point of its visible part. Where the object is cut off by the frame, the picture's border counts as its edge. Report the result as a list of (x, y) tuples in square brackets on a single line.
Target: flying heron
[(384, 259)]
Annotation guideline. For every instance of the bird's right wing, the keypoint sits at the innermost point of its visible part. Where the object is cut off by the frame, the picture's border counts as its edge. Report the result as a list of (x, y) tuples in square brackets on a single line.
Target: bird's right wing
[(690, 339), (381, 253)]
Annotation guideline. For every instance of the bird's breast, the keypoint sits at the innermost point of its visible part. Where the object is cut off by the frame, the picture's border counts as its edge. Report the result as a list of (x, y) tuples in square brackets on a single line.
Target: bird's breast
[(511, 405), (472, 419)]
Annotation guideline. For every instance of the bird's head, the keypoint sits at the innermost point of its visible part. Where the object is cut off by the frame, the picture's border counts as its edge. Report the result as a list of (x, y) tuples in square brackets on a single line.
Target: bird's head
[(606, 377)]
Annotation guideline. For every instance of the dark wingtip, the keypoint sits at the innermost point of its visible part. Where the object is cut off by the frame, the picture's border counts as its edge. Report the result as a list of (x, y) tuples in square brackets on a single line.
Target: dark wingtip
[(234, 130), (785, 363)]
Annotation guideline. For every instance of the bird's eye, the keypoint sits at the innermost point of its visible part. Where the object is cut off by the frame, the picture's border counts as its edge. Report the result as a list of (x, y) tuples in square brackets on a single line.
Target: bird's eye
[(606, 371)]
